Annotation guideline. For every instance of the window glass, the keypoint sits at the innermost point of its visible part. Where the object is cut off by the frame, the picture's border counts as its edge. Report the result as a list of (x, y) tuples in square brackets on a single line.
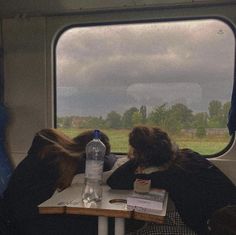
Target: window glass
[(175, 75)]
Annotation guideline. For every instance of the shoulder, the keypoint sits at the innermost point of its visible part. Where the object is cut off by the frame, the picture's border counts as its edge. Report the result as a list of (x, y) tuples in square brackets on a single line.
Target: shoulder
[(191, 161), (189, 152), (191, 155)]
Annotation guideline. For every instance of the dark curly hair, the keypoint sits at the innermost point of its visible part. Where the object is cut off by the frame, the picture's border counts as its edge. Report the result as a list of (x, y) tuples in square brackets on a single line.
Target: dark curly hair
[(151, 146)]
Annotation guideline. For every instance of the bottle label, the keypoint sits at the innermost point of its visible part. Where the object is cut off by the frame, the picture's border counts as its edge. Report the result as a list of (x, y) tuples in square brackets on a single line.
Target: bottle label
[(94, 169)]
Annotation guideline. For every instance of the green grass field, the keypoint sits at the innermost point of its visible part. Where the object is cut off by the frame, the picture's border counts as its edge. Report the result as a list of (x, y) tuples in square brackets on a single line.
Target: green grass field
[(119, 141)]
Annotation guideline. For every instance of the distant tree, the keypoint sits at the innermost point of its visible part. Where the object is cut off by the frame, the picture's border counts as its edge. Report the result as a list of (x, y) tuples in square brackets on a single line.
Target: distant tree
[(215, 108), (200, 120), (215, 114), (97, 122), (201, 132), (143, 112), (136, 118), (127, 117), (93, 122), (159, 116), (67, 122), (182, 115), (173, 126), (225, 113), (162, 117), (60, 121), (113, 120)]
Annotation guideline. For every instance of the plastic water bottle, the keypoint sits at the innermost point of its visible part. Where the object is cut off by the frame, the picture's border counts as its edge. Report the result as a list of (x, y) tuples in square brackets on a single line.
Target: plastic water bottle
[(95, 152)]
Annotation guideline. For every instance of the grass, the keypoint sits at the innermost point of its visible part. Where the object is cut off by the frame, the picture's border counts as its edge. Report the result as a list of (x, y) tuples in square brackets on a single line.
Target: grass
[(119, 141)]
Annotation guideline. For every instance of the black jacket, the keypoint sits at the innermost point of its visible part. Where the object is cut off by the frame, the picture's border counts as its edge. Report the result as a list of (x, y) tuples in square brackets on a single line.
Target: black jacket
[(195, 185), (32, 182)]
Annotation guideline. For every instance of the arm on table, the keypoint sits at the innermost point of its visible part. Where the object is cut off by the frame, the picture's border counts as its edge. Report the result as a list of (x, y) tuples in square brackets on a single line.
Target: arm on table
[(119, 162), (123, 177)]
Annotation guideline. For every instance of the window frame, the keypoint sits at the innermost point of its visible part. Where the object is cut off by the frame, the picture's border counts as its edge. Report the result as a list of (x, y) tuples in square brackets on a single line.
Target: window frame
[(138, 21)]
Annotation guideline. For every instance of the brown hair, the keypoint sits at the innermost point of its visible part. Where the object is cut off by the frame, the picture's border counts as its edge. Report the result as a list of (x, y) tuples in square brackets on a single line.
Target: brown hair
[(151, 146), (61, 152), (86, 136)]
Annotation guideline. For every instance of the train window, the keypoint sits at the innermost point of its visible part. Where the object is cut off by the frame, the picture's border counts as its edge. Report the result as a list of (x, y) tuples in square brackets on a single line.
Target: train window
[(176, 75)]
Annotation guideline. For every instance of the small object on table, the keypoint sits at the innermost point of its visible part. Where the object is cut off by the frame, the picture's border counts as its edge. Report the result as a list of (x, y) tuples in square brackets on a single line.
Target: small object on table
[(142, 186)]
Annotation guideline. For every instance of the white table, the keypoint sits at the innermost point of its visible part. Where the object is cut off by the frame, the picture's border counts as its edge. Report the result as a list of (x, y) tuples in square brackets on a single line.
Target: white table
[(69, 201)]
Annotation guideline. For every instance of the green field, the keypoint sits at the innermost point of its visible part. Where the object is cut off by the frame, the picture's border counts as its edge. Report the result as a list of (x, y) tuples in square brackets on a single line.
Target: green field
[(119, 141)]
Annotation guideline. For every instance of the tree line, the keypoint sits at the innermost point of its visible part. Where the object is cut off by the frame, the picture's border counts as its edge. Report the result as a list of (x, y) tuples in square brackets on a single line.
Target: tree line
[(170, 118)]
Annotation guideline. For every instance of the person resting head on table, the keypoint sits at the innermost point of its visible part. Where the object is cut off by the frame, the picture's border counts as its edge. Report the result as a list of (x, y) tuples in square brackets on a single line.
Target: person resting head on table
[(195, 185), (111, 161), (51, 164), (84, 138)]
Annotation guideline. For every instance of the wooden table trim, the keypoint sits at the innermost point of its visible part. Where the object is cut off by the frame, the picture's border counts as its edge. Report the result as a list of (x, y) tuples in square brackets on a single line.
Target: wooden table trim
[(99, 212), (52, 210), (148, 217)]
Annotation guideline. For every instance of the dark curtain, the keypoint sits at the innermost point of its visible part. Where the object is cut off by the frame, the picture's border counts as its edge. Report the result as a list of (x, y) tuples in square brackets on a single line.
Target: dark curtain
[(6, 166), (1, 75), (232, 112)]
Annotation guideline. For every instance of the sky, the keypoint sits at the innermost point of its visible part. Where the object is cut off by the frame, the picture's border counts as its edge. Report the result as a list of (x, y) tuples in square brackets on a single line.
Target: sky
[(108, 68)]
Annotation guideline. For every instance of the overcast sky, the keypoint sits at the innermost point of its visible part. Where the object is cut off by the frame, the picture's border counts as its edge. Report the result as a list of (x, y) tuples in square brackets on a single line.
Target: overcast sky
[(105, 68)]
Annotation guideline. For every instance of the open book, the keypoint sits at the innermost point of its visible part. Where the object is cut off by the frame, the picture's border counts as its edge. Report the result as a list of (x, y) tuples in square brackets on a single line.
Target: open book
[(152, 202)]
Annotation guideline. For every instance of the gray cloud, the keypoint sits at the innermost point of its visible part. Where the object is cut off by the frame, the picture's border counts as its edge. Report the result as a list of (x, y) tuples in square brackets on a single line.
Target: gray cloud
[(101, 64)]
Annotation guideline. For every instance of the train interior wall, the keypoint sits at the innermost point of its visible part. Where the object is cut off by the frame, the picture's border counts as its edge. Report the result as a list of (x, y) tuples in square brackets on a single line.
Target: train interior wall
[(28, 72)]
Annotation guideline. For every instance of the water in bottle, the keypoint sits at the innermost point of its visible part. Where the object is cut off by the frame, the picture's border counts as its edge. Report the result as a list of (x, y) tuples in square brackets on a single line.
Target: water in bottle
[(95, 152)]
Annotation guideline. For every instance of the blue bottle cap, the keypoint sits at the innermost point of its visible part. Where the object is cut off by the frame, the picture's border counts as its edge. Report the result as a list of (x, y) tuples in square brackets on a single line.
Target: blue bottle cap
[(96, 134)]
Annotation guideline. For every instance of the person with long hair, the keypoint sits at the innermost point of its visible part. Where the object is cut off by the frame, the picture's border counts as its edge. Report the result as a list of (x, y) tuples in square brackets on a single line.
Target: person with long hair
[(52, 161), (196, 187)]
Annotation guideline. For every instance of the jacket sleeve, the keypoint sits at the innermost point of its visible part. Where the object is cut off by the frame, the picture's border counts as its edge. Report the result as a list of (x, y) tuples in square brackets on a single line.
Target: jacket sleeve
[(123, 177), (109, 161)]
